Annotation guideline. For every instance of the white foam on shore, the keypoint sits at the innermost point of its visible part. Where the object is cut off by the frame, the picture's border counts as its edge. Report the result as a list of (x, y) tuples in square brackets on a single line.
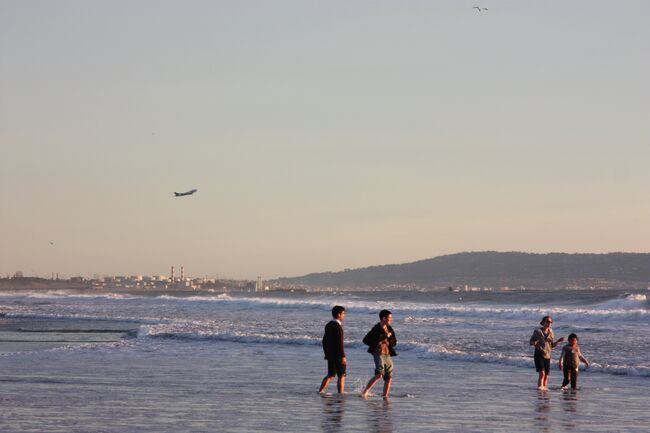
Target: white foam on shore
[(433, 351), (157, 328), (54, 316), (627, 309), (632, 306), (58, 294), (246, 320), (628, 302), (205, 332)]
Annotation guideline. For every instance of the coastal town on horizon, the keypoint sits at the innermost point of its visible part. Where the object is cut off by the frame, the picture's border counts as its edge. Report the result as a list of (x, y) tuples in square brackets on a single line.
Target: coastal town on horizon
[(468, 271), (173, 281)]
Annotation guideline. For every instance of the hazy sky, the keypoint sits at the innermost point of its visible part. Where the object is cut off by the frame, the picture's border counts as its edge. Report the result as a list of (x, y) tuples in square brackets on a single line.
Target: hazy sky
[(320, 135)]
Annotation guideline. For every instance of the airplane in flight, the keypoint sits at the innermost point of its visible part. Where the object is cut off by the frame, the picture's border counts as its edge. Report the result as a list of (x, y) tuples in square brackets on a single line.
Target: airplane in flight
[(181, 194)]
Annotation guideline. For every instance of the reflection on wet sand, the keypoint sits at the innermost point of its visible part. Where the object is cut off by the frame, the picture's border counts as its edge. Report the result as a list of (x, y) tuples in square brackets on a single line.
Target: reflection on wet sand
[(380, 416), (569, 400), (542, 409), (333, 409)]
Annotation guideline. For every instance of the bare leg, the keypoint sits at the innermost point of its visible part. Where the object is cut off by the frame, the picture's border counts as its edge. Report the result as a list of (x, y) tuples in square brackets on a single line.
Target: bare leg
[(371, 383), (323, 385), (541, 379), (545, 381), (387, 383), (340, 385)]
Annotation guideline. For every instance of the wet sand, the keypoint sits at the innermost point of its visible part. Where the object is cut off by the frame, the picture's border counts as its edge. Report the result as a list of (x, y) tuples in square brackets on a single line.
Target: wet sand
[(171, 386)]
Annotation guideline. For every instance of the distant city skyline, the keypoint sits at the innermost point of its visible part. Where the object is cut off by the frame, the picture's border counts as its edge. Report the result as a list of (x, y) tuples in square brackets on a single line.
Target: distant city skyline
[(320, 136)]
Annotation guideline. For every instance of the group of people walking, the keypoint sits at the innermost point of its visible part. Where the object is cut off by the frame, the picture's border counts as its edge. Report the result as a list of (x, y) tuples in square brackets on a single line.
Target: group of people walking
[(381, 342)]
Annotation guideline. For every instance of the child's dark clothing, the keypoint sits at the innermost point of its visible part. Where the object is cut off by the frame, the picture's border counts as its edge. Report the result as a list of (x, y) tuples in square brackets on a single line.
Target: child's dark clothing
[(571, 356)]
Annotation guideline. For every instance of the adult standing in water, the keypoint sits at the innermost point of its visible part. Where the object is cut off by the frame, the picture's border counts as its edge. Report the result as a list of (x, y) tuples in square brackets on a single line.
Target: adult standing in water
[(334, 350), (544, 341), (381, 341)]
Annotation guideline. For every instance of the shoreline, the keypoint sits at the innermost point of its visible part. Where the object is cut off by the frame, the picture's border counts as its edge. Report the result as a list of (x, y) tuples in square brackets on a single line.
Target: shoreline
[(20, 334), (427, 395)]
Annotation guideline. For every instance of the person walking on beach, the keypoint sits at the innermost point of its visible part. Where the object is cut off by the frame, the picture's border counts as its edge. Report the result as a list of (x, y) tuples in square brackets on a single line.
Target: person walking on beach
[(334, 350), (544, 341), (381, 342), (570, 361)]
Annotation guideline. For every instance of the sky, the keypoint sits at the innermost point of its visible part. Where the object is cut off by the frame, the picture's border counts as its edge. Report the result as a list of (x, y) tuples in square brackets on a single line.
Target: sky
[(320, 135)]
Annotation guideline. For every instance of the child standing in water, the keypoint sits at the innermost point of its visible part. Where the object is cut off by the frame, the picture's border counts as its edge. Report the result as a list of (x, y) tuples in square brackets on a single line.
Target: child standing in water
[(570, 361)]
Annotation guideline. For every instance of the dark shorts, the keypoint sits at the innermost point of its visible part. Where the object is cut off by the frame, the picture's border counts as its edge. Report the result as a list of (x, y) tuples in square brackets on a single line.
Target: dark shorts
[(542, 364), (570, 376), (335, 367)]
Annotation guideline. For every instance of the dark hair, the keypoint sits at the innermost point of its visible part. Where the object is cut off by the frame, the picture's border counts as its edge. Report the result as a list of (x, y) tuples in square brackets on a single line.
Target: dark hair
[(544, 319), (384, 313), (337, 310), (572, 336)]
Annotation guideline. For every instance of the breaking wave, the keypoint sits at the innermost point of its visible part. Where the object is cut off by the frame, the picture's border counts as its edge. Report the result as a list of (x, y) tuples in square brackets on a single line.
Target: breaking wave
[(84, 317), (431, 351), (58, 294), (632, 307), (627, 302)]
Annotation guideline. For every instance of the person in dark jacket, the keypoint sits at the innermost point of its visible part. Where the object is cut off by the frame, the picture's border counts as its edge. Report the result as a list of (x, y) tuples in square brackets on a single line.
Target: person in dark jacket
[(381, 342), (334, 350)]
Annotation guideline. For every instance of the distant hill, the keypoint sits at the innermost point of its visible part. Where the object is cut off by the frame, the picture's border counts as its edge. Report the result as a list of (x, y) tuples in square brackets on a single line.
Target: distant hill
[(494, 269)]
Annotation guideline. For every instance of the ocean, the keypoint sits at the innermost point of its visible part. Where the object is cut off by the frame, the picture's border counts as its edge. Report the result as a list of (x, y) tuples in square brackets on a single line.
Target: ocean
[(252, 362)]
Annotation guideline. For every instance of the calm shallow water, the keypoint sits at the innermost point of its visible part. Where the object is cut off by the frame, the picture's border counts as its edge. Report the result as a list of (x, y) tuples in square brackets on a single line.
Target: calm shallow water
[(254, 364)]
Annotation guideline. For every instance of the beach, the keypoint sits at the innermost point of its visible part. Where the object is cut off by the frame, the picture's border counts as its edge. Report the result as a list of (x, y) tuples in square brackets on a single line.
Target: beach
[(253, 362), (189, 188)]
